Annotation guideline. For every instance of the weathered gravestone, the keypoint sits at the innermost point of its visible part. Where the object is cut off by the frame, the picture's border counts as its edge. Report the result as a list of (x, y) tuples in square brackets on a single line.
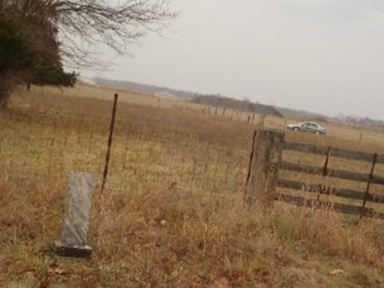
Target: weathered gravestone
[(73, 238)]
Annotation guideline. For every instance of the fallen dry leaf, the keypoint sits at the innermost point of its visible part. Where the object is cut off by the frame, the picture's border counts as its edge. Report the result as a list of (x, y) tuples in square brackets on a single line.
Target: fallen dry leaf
[(336, 272)]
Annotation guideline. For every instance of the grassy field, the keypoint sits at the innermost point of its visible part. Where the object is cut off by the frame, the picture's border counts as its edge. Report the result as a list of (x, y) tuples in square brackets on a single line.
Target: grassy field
[(172, 214)]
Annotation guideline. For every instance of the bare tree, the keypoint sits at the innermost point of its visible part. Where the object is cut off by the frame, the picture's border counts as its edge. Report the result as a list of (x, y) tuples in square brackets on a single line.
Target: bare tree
[(115, 24), (82, 23), (69, 28)]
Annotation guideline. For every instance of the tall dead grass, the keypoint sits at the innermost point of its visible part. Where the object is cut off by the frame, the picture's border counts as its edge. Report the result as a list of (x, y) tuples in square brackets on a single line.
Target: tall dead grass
[(172, 238), (328, 233), (172, 214)]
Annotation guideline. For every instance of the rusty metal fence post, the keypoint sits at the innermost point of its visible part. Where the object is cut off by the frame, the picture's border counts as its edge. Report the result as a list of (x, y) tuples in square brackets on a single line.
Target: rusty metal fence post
[(323, 189), (366, 194), (108, 155), (264, 167)]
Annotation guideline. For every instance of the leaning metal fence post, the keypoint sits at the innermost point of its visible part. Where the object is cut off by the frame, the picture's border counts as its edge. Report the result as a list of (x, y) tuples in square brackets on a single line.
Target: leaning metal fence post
[(323, 188), (107, 157), (374, 160), (264, 167)]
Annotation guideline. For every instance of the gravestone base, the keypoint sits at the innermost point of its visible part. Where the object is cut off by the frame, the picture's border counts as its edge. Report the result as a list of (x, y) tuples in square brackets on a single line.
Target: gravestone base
[(73, 251)]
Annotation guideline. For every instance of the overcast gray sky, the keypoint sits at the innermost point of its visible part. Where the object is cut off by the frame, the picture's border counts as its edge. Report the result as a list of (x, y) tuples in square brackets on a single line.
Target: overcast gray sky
[(320, 55)]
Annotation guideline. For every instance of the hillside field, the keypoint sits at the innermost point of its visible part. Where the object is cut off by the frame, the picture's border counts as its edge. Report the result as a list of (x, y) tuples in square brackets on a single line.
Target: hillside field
[(172, 214)]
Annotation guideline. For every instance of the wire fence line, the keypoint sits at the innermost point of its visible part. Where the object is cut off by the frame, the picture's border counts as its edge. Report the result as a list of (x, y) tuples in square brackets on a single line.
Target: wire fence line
[(160, 155), (153, 149)]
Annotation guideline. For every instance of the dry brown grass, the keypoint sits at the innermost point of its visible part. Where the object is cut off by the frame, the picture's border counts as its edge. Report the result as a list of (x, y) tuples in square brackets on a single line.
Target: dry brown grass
[(172, 214)]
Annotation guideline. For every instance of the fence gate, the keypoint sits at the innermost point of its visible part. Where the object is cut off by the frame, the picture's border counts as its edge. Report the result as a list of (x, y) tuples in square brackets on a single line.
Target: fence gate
[(274, 158)]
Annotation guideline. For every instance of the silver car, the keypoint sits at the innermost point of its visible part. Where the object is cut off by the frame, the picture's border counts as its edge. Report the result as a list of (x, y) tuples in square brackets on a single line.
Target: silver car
[(308, 127)]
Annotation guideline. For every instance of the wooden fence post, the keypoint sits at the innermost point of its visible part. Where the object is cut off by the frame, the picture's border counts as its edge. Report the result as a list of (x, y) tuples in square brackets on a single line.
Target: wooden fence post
[(262, 119), (264, 167), (361, 137)]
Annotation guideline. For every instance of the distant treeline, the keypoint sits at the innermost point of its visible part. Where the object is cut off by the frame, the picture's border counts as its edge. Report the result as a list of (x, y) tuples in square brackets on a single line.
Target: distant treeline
[(241, 105), (143, 88), (377, 125)]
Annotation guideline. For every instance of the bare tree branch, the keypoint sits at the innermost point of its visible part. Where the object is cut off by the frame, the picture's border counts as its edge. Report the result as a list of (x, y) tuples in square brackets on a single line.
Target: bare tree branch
[(98, 22), (81, 24)]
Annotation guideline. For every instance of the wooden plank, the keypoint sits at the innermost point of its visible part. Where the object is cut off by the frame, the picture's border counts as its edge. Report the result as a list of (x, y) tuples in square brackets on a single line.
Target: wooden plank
[(336, 152), (348, 175), (380, 159), (343, 208), (340, 192), (342, 174), (305, 148), (352, 155), (285, 165), (377, 180)]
